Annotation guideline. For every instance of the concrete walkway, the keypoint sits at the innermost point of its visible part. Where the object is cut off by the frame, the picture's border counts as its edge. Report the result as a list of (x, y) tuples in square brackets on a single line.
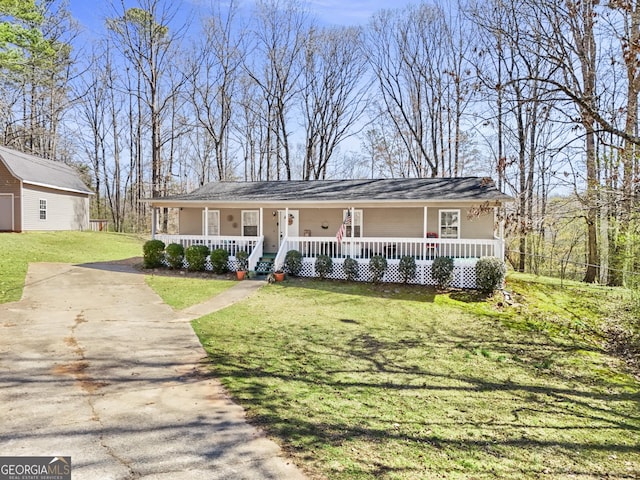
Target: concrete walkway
[(95, 366)]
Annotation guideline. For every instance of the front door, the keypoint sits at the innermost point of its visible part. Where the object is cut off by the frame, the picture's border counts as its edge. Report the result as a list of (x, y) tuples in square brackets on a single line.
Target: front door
[(288, 226)]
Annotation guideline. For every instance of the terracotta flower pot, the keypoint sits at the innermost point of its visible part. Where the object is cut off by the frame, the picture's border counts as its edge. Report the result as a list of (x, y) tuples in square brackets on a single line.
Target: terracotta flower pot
[(279, 276), (240, 274)]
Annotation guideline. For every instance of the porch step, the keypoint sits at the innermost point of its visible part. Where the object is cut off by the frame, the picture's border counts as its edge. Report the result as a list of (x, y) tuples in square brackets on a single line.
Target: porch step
[(265, 265)]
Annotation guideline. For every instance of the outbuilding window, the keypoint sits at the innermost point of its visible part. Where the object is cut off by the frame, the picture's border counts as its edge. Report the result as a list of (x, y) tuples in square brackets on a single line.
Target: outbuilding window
[(43, 209)]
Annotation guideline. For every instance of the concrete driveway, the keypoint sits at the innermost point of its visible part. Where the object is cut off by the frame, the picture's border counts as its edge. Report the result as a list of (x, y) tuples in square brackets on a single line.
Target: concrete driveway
[(95, 366)]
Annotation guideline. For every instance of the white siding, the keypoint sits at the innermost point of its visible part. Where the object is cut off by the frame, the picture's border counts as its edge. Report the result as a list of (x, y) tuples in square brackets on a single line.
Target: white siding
[(65, 210)]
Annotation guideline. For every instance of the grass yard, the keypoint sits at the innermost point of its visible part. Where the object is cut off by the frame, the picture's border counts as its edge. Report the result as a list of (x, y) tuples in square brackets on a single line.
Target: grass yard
[(397, 382), (181, 293), (19, 249)]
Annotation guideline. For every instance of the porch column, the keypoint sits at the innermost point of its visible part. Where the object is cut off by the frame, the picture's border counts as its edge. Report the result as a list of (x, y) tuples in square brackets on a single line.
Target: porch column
[(260, 220), (154, 222), (424, 223), (206, 221), (286, 222), (353, 223)]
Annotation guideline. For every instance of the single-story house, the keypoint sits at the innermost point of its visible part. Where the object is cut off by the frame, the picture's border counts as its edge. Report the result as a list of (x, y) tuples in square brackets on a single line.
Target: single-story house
[(40, 194), (420, 217)]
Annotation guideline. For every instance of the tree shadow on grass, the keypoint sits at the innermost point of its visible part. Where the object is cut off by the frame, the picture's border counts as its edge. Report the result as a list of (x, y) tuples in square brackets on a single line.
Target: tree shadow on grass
[(369, 362), (596, 423)]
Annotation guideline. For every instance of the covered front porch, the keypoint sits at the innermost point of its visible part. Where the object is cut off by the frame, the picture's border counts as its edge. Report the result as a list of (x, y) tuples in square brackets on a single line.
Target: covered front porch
[(267, 234), (464, 252)]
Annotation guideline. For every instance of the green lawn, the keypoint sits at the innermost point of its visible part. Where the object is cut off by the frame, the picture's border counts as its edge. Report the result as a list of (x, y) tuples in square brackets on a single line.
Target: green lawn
[(183, 292), (17, 250), (366, 382)]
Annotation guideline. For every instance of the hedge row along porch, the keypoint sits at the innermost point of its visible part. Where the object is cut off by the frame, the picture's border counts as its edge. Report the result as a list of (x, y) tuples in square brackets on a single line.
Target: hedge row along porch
[(421, 217)]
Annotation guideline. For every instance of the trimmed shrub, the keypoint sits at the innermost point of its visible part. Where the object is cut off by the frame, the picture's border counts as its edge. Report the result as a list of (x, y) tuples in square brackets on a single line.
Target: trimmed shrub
[(242, 258), (377, 267), (153, 254), (196, 256), (407, 268), (442, 271), (219, 260), (490, 273), (324, 266), (351, 268), (293, 262), (174, 254)]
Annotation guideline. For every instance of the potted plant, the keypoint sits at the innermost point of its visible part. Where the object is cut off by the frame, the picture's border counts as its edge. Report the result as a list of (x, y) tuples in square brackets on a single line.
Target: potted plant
[(278, 275), (242, 258)]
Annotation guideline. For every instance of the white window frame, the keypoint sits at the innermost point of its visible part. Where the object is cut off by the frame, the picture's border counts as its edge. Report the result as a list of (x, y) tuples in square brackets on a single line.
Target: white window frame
[(356, 221), (245, 223), (213, 227), (442, 225), (42, 208)]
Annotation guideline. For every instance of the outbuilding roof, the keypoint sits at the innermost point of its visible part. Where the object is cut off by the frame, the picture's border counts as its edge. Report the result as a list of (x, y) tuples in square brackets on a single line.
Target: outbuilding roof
[(42, 172), (391, 189)]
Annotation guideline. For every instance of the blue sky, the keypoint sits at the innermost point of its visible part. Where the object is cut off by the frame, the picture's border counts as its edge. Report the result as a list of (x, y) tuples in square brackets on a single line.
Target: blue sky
[(91, 14)]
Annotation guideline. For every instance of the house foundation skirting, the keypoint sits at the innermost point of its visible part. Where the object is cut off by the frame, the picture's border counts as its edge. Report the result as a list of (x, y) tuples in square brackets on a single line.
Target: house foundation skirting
[(464, 272)]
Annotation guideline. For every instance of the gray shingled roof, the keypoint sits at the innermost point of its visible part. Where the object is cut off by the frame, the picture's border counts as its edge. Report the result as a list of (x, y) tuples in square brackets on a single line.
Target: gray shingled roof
[(426, 189), (43, 172)]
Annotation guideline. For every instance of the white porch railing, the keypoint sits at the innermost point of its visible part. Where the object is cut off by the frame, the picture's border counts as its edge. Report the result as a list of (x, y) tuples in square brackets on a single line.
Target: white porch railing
[(230, 243), (422, 249), (256, 254), (391, 248)]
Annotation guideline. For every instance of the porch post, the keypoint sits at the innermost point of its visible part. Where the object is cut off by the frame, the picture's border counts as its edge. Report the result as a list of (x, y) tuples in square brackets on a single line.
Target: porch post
[(154, 222), (260, 220), (424, 222), (425, 229), (286, 222), (206, 221), (501, 239), (353, 224)]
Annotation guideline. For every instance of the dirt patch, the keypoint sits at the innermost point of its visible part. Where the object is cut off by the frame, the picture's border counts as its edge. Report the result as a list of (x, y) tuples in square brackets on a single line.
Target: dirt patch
[(90, 386), (78, 369), (73, 368), (73, 343)]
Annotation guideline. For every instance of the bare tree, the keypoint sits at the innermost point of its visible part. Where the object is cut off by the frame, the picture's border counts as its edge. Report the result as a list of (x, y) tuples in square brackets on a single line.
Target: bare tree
[(333, 94), (522, 112), (279, 34), (418, 58), (100, 113), (251, 130), (146, 43), (213, 82)]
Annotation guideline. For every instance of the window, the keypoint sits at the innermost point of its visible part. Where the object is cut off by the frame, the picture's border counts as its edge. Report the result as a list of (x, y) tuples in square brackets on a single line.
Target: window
[(212, 224), (449, 223), (43, 209), (250, 223), (355, 222)]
